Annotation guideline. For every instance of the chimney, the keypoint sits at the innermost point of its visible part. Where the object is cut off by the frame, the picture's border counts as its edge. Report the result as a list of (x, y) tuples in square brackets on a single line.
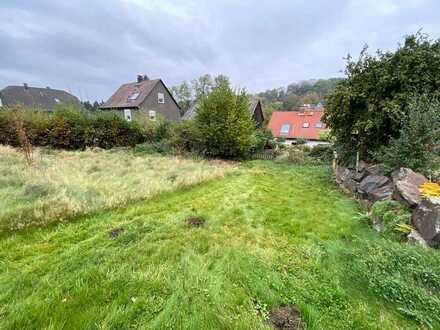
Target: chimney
[(146, 77), (25, 85), (47, 87), (140, 78)]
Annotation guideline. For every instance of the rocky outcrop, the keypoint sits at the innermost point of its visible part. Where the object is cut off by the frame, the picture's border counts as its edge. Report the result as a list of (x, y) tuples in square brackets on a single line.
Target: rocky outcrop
[(426, 219), (375, 187), (369, 184), (406, 186)]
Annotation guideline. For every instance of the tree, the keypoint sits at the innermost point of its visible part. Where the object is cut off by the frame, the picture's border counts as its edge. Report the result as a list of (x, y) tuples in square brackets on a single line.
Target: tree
[(365, 110), (418, 138), (202, 86), (224, 125), (183, 95)]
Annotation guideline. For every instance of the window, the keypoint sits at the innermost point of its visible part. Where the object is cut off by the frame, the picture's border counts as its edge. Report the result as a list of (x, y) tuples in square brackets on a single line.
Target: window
[(160, 98), (56, 100), (133, 96), (152, 114), (1, 104), (127, 114), (285, 128), (306, 125), (318, 125)]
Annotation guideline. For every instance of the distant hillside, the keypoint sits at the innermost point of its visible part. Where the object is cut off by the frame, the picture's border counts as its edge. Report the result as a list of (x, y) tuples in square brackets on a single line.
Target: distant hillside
[(312, 91)]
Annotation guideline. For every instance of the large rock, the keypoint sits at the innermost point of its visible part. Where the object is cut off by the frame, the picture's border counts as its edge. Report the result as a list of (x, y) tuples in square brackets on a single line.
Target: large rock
[(406, 186), (375, 187), (415, 238), (374, 169), (426, 219)]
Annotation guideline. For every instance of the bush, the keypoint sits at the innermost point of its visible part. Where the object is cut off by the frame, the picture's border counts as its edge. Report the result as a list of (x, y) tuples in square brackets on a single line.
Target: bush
[(300, 141), (223, 123), (365, 111), (415, 146), (323, 152), (70, 128), (263, 140)]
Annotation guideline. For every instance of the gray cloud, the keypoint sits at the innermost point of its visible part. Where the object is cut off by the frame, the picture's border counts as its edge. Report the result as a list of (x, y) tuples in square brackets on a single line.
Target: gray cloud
[(91, 47)]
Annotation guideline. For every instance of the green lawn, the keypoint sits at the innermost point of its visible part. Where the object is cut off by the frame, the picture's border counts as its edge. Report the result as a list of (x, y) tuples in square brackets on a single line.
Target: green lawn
[(274, 234)]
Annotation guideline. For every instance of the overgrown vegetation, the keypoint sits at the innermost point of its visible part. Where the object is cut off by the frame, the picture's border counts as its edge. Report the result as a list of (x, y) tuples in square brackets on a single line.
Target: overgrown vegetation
[(374, 109), (69, 128), (275, 233), (63, 184), (417, 140)]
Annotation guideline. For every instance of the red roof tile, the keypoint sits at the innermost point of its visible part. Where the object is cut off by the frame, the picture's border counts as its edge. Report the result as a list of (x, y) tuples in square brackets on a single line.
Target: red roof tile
[(297, 124)]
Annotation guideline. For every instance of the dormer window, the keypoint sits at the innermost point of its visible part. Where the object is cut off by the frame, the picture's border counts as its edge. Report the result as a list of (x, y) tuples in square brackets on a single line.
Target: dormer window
[(133, 96), (160, 98), (318, 125), (56, 100), (306, 125), (285, 128)]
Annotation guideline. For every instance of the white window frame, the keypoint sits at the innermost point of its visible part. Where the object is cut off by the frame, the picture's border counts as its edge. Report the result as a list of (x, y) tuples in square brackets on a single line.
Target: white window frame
[(152, 115), (306, 125), (127, 115), (160, 98), (282, 131)]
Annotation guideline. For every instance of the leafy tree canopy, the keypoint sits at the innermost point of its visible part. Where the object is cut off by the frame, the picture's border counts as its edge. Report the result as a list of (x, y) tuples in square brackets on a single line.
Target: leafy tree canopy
[(224, 125), (369, 108)]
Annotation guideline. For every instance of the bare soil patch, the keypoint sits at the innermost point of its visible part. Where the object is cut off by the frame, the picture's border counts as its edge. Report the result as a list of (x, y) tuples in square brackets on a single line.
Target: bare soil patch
[(195, 222), (115, 232), (286, 317)]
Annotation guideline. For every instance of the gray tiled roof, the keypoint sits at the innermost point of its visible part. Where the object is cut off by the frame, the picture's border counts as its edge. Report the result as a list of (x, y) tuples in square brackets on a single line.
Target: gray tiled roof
[(33, 97)]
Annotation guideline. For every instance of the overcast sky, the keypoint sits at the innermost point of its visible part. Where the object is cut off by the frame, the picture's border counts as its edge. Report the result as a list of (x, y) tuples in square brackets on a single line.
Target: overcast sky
[(91, 47)]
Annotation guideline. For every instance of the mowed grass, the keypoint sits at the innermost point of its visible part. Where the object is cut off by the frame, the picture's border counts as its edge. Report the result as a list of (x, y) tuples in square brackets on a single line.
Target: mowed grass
[(274, 234), (63, 184)]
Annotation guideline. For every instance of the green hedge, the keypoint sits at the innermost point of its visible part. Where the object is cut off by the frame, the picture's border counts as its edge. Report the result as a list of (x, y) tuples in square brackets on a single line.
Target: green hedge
[(70, 128)]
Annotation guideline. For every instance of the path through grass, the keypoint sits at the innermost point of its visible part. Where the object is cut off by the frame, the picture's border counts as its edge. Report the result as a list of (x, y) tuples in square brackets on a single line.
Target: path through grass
[(274, 234)]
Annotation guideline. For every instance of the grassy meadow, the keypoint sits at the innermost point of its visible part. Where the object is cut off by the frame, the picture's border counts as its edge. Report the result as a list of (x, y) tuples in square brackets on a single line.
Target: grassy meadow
[(275, 234), (63, 184)]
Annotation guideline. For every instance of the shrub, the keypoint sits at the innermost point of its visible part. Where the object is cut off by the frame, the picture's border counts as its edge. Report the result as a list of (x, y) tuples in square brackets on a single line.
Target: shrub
[(70, 128), (323, 152), (415, 145), (263, 140), (301, 141), (365, 110), (224, 125), (183, 137)]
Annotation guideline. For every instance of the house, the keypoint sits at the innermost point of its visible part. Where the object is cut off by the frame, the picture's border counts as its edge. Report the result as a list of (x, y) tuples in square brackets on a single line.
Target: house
[(255, 110), (34, 97), (150, 97), (294, 125)]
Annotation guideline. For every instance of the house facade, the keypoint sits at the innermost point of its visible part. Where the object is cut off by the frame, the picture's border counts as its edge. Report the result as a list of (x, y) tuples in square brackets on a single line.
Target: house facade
[(294, 125), (148, 97), (35, 97), (255, 110)]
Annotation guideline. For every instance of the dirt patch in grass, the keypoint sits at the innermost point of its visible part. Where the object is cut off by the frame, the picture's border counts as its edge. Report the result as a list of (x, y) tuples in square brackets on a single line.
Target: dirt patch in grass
[(115, 232), (195, 222), (286, 317)]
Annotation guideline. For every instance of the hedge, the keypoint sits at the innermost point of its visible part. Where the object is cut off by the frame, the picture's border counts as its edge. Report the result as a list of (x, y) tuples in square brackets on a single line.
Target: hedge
[(70, 128)]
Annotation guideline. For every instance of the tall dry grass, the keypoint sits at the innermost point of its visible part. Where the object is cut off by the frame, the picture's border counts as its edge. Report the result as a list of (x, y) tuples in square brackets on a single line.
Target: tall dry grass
[(63, 184)]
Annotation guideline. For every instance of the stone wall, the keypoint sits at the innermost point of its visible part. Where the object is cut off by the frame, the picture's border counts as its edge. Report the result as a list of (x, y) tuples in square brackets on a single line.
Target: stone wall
[(369, 184)]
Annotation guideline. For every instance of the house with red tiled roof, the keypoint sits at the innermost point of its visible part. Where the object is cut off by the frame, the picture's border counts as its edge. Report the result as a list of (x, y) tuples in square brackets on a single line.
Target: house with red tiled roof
[(294, 125)]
